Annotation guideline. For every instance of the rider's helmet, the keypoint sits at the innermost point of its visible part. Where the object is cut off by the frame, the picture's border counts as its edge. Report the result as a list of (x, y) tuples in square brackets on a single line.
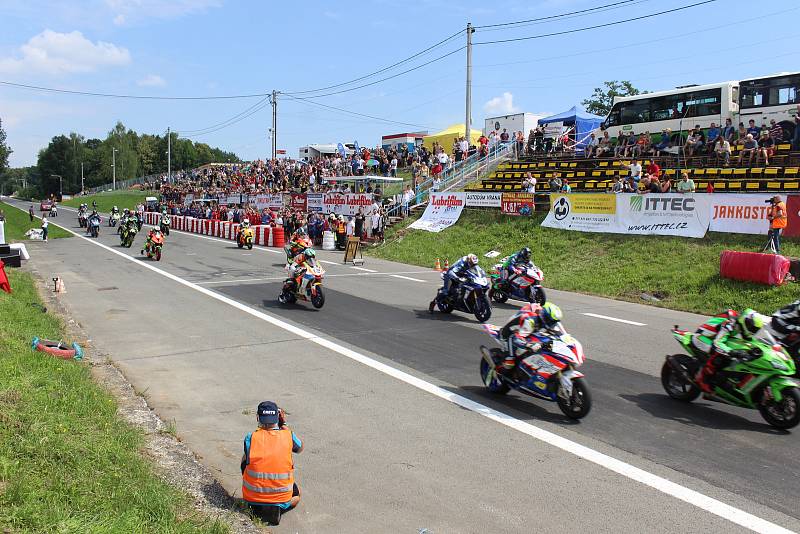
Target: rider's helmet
[(309, 253), (524, 254), (300, 232), (246, 223), (471, 260), (550, 314), (94, 212), (115, 209), (750, 322)]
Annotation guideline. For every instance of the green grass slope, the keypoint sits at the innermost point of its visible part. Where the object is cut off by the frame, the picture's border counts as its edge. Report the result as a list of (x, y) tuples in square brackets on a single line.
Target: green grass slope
[(682, 272), (18, 222), (106, 201)]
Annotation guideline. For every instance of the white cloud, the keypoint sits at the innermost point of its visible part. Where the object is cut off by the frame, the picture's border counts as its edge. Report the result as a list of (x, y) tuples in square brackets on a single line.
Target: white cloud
[(152, 80), (502, 104), (134, 10), (57, 53)]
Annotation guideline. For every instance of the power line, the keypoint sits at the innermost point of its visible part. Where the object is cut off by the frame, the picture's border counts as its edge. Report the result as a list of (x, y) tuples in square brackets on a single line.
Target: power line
[(560, 15), (384, 69), (596, 26), (200, 130), (137, 97), (230, 122), (354, 112)]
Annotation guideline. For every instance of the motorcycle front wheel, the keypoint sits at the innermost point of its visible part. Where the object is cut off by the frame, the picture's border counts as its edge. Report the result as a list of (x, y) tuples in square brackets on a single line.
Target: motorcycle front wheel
[(158, 254), (250, 246), (784, 414), (676, 386), (494, 385), (498, 296), (318, 298), (483, 309), (538, 296), (579, 403)]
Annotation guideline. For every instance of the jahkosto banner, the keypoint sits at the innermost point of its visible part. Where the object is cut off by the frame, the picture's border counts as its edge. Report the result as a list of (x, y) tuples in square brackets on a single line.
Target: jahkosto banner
[(741, 214), (484, 200), (664, 214), (442, 211)]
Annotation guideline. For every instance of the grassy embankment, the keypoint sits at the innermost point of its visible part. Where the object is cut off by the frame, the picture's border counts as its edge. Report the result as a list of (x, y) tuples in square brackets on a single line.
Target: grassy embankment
[(106, 201), (682, 272), (18, 222), (67, 462)]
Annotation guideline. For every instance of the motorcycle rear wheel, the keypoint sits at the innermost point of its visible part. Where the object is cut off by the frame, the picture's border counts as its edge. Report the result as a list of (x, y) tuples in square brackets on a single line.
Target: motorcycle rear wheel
[(785, 414), (495, 386), (676, 386), (498, 296), (287, 298), (579, 403), (443, 304), (318, 298)]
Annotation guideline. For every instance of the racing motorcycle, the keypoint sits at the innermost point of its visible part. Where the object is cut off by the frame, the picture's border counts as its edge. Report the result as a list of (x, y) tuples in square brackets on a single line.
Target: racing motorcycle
[(548, 374), (525, 284), (139, 221), (127, 234), (244, 238), (760, 380), (94, 226), (309, 288), (470, 296), (82, 219), (113, 219), (152, 247), (164, 224)]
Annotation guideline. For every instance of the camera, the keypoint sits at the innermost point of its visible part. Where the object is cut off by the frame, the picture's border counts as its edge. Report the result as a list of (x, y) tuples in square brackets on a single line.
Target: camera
[(768, 201)]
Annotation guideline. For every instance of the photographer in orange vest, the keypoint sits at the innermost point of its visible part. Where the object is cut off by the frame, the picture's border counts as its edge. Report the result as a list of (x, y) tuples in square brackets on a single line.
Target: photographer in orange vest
[(776, 213), (267, 467)]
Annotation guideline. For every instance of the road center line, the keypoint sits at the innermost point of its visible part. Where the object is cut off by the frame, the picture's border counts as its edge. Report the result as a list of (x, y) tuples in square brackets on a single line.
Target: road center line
[(690, 496), (365, 269), (408, 278), (607, 318)]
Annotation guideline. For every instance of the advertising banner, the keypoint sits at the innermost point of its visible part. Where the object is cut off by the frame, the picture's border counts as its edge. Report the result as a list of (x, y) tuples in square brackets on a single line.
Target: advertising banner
[(442, 211), (315, 202), (517, 203), (677, 214), (792, 216), (739, 213), (273, 202), (484, 200), (298, 202), (348, 204), (591, 212), (233, 199)]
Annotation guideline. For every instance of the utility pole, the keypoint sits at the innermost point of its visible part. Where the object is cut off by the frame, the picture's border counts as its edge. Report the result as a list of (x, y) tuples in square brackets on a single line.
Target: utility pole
[(274, 124), (468, 119), (114, 168), (169, 156), (81, 177)]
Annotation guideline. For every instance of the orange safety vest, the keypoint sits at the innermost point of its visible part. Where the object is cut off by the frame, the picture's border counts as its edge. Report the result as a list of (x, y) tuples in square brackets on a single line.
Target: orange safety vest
[(778, 221), (269, 476)]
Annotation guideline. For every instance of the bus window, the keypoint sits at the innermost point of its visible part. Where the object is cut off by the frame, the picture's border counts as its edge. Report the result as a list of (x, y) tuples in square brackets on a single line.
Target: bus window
[(635, 112), (613, 116), (787, 95)]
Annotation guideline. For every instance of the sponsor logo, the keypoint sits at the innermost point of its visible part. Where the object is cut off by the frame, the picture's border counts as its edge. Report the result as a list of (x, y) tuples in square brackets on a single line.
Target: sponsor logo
[(740, 212), (641, 203), (561, 208), (450, 201)]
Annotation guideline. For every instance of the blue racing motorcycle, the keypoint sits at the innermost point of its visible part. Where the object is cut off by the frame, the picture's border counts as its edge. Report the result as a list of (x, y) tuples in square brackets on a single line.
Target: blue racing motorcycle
[(471, 296)]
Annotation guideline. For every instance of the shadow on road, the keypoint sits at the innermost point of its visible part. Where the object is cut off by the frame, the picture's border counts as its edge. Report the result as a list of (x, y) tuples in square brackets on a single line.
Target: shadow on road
[(526, 408), (442, 317), (700, 414), (273, 304)]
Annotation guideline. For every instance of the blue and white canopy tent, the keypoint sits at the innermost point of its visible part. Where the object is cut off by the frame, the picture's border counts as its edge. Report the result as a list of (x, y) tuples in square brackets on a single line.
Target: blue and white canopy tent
[(583, 123)]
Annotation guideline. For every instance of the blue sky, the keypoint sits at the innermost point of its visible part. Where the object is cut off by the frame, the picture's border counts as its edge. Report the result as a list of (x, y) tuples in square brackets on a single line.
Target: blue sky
[(223, 47)]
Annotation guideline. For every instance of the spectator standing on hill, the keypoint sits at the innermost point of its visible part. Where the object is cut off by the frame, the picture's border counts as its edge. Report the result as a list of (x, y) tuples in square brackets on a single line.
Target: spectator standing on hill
[(504, 137), (359, 223), (45, 224), (30, 212), (393, 167), (686, 184), (776, 214)]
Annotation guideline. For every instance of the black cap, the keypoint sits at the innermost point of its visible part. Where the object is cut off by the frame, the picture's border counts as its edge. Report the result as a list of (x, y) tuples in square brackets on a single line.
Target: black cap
[(267, 413)]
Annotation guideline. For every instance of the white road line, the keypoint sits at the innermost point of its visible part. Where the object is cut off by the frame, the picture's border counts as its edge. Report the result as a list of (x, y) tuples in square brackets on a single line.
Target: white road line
[(607, 318), (364, 269), (690, 496), (329, 262), (408, 278)]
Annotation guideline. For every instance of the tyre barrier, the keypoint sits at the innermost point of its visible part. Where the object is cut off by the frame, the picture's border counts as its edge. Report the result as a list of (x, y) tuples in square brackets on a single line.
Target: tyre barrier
[(58, 349), (770, 269), (264, 235)]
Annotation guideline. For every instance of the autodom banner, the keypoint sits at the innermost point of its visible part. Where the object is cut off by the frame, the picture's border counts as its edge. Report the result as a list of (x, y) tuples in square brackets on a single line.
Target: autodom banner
[(442, 211), (739, 213), (590, 212), (484, 200)]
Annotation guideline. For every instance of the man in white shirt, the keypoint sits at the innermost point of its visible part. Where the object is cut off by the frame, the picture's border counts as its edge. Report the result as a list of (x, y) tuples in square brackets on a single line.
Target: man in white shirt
[(463, 144), (529, 184), (635, 169), (393, 168)]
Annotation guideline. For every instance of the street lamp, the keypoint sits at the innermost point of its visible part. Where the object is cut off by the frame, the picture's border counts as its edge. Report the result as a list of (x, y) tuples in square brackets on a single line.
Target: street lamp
[(60, 183), (114, 168)]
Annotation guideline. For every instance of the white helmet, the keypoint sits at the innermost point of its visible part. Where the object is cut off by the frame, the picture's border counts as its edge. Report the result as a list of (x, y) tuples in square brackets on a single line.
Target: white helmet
[(246, 223)]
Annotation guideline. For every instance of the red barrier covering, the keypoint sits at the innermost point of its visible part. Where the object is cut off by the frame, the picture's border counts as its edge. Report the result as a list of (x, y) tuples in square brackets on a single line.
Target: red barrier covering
[(753, 267), (278, 239)]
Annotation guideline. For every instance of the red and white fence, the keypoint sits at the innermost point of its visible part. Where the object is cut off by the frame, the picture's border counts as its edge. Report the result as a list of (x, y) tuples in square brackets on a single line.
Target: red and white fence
[(269, 236)]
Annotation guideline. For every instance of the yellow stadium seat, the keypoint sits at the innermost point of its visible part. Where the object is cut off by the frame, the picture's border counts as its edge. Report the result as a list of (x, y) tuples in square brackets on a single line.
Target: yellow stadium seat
[(726, 172), (589, 185), (785, 147), (573, 165), (790, 171), (734, 185), (580, 173), (790, 185), (752, 185), (669, 172), (596, 173), (773, 185), (739, 171), (758, 171), (698, 172), (720, 185), (701, 185), (603, 164), (772, 171)]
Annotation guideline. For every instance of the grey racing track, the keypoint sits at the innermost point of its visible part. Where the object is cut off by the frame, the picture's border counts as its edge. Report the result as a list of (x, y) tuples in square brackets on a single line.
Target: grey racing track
[(723, 451)]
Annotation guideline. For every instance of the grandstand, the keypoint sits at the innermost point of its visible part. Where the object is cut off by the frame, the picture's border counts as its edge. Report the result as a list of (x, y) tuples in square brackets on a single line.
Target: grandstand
[(593, 175)]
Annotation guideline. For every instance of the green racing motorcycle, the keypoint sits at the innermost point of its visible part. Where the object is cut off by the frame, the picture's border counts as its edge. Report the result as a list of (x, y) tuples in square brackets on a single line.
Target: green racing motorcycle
[(762, 380)]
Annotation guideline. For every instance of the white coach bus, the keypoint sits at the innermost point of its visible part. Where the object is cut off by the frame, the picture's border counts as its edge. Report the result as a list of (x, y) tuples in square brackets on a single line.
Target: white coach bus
[(772, 97), (679, 109)]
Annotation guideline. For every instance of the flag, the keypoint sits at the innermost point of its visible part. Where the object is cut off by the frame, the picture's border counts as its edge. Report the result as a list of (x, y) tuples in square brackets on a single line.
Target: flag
[(357, 148), (340, 148), (4, 283)]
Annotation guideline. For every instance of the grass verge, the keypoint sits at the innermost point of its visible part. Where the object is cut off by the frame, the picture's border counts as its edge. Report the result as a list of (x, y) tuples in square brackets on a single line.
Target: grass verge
[(67, 462), (682, 272), (18, 222), (106, 201)]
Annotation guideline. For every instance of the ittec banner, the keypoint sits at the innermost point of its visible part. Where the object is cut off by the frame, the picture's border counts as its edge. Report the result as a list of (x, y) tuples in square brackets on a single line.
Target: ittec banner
[(738, 213), (591, 212), (518, 203), (442, 211), (484, 200), (664, 214)]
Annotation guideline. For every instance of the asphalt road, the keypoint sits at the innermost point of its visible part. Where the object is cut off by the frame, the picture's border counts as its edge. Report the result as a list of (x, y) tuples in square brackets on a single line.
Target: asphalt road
[(407, 459)]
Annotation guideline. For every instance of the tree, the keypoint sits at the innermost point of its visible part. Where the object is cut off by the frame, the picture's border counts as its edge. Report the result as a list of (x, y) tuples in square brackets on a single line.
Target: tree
[(603, 97), (5, 151)]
